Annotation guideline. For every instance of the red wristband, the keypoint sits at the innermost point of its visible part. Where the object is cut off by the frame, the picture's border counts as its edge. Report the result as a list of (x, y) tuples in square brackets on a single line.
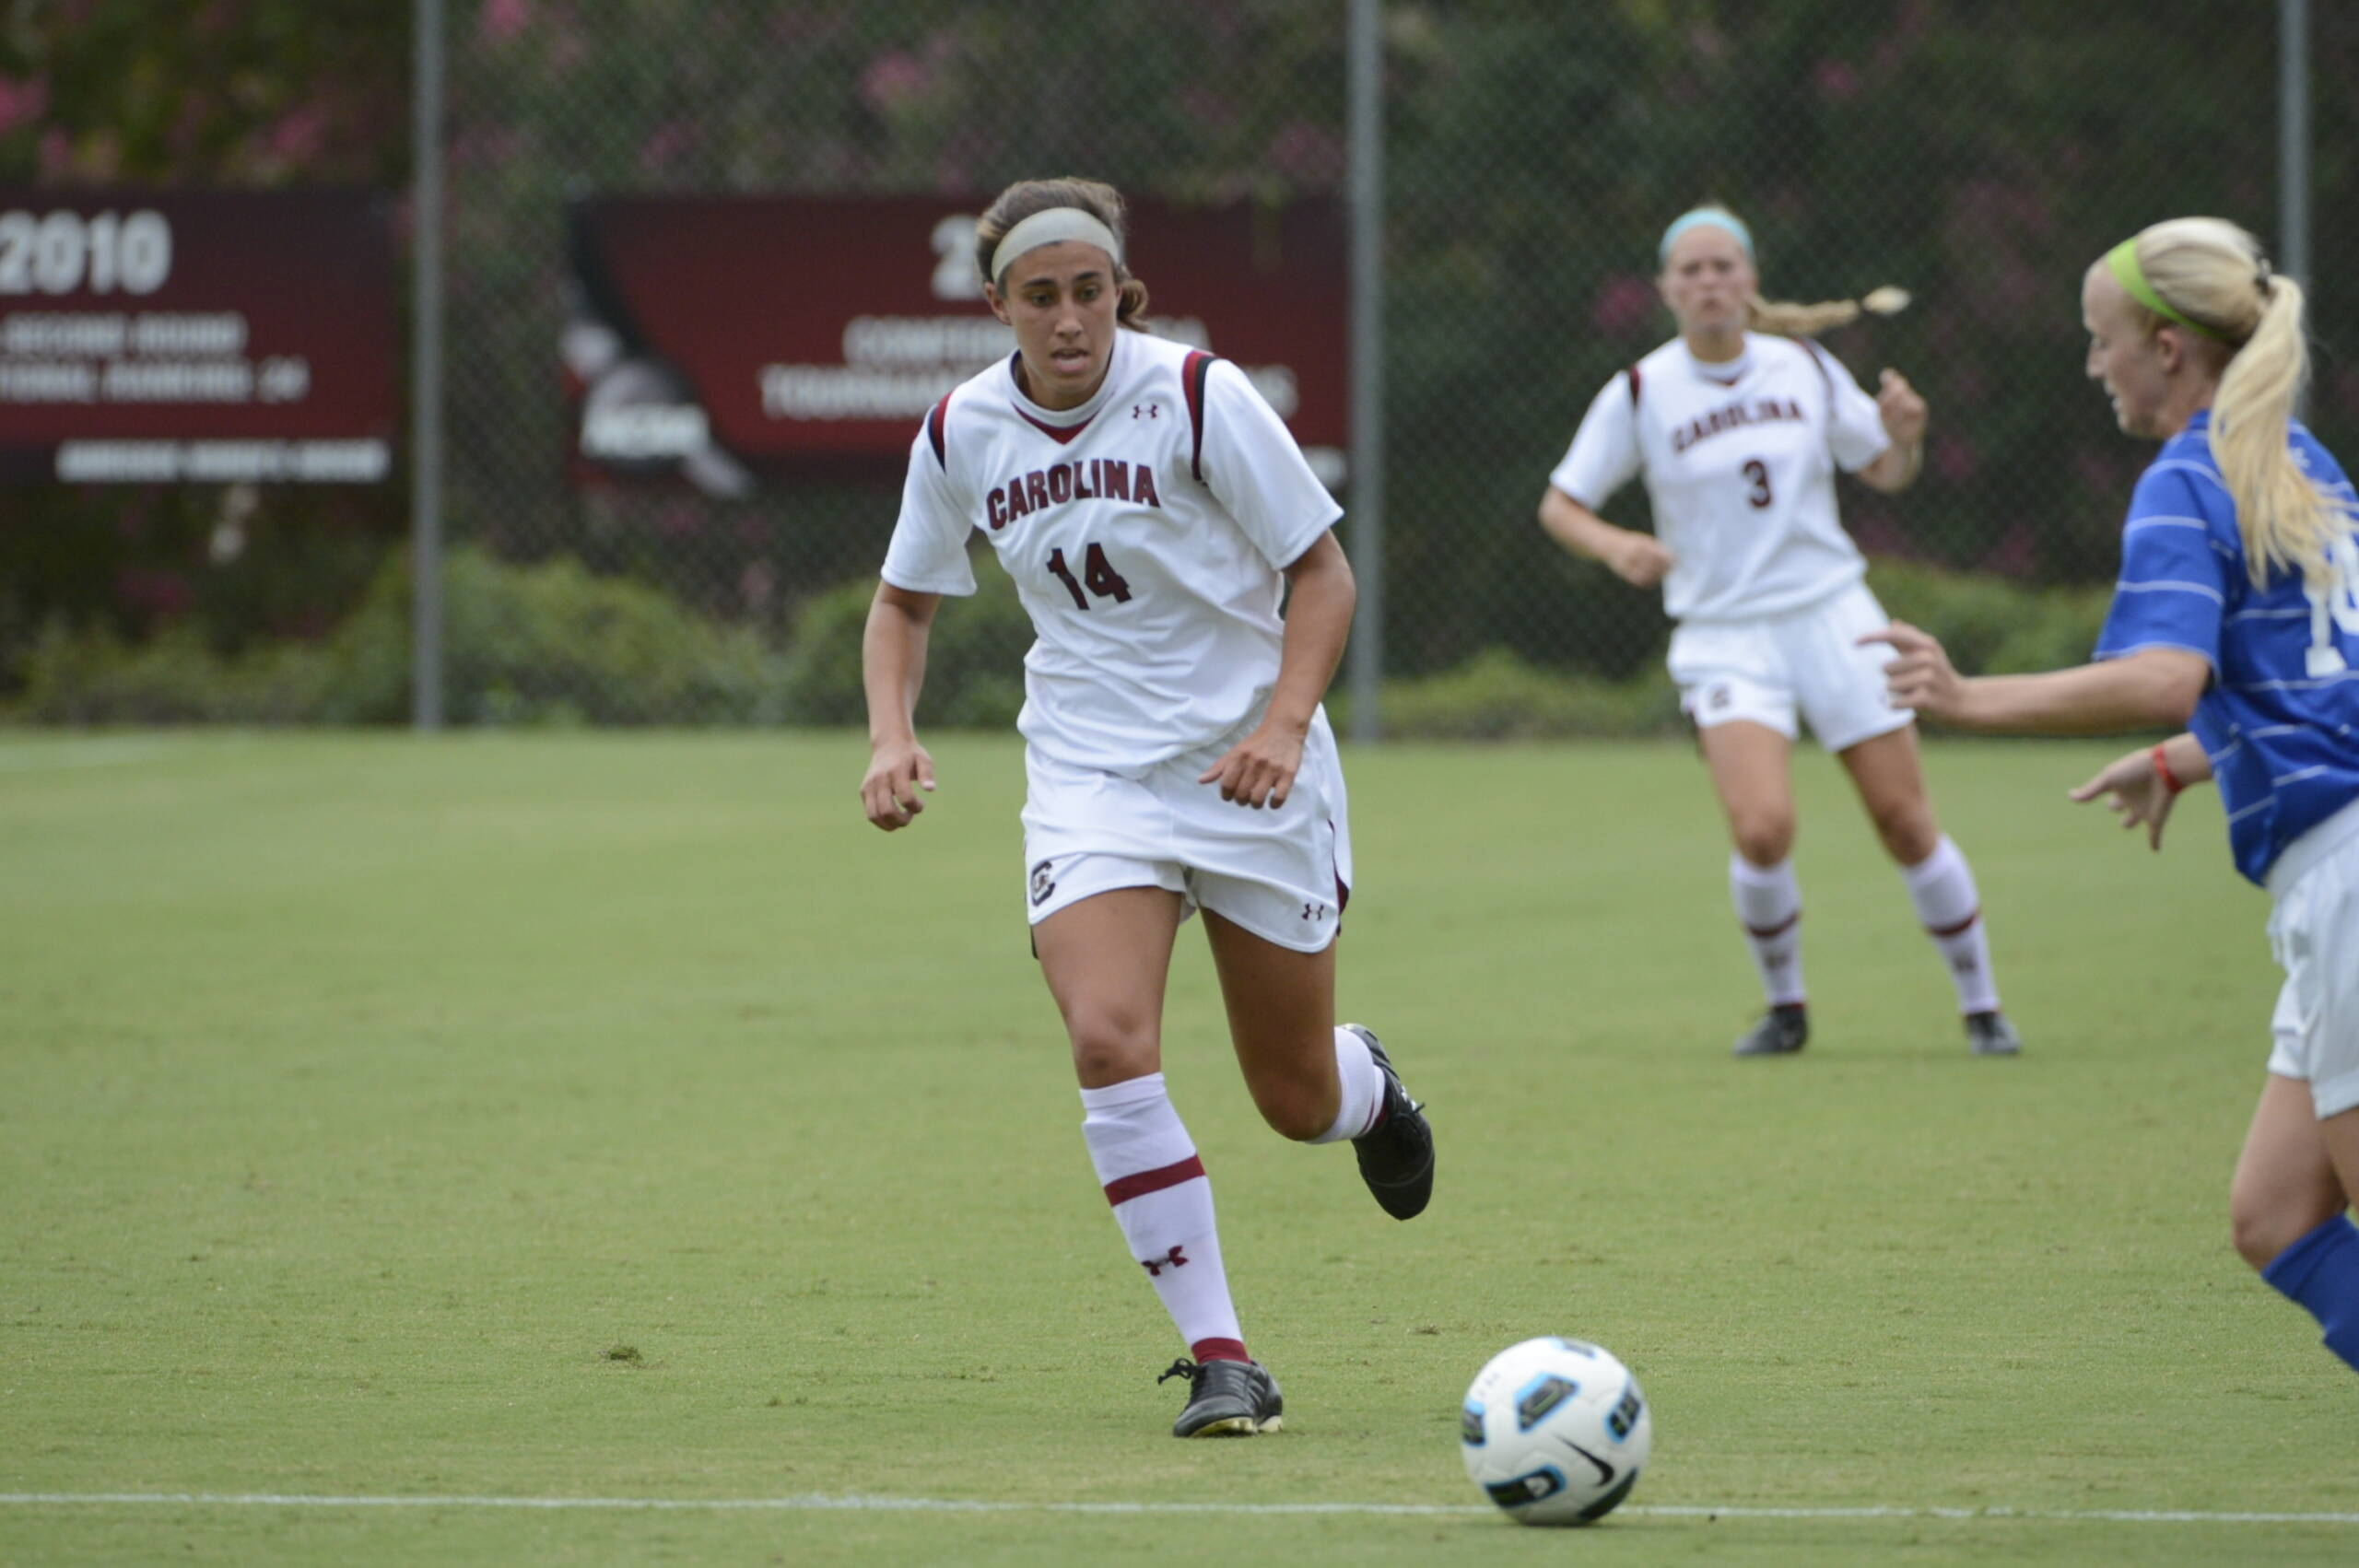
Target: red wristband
[(2163, 770)]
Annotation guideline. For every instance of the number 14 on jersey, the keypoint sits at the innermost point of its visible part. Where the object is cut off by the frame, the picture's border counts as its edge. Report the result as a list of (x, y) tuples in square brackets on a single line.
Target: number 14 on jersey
[(1098, 575)]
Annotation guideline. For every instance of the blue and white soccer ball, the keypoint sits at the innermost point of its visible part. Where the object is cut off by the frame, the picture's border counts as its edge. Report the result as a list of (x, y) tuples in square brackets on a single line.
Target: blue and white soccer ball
[(1555, 1432)]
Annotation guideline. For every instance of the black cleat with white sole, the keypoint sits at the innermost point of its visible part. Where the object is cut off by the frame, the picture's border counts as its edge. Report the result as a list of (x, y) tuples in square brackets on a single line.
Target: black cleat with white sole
[(1396, 1156), (1226, 1398), (1990, 1034), (1782, 1031)]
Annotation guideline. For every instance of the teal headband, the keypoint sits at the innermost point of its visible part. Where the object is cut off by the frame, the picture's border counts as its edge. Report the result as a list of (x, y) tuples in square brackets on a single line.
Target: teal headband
[(2123, 261), (1701, 216)]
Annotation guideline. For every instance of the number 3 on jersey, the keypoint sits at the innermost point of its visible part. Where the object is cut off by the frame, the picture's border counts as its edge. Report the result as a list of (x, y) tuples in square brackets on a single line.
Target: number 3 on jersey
[(1097, 574)]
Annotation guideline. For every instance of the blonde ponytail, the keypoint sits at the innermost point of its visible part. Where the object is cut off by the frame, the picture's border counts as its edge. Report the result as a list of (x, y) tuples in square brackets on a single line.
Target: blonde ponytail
[(2212, 276), (1790, 320)]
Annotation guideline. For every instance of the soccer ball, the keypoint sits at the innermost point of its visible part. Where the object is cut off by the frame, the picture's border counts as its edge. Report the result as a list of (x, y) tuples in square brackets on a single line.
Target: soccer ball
[(1555, 1432)]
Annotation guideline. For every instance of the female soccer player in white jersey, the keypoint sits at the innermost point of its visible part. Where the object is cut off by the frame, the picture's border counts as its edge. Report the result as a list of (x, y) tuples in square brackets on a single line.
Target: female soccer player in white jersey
[(1152, 510), (1738, 434), (2236, 611)]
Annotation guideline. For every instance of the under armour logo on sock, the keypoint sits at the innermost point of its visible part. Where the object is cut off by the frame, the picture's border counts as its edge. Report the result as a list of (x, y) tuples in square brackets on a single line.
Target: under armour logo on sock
[(1156, 1266)]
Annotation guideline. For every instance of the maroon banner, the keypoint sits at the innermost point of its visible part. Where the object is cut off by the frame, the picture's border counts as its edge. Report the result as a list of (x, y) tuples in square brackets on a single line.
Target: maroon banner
[(722, 339), (207, 336)]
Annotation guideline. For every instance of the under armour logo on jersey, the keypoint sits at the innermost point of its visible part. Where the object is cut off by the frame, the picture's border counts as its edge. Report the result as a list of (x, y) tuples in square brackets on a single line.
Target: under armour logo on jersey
[(1146, 411), (1156, 1266)]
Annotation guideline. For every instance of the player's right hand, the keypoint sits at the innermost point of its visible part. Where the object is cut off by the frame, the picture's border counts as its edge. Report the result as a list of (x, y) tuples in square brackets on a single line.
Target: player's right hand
[(897, 772), (2135, 792), (1641, 559)]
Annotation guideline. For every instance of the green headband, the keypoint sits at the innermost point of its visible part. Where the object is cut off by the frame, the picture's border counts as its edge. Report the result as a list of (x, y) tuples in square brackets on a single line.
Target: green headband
[(2123, 260)]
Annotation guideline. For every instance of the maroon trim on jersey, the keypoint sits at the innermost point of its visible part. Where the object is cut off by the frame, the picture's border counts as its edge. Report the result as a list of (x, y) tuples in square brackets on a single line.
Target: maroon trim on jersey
[(1061, 434), (1122, 1191), (1192, 371), (1633, 373), (934, 430), (1763, 934), (1817, 357), (1958, 930)]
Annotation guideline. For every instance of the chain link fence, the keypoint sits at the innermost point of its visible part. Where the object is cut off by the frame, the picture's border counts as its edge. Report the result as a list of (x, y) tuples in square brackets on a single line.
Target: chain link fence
[(1979, 153)]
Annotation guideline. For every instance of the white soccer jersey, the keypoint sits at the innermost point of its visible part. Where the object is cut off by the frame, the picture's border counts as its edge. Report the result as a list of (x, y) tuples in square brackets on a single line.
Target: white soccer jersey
[(1740, 464), (1145, 530)]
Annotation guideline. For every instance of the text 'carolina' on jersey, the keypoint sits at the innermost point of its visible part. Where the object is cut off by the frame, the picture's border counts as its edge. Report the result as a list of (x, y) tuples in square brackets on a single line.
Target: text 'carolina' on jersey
[(1099, 478)]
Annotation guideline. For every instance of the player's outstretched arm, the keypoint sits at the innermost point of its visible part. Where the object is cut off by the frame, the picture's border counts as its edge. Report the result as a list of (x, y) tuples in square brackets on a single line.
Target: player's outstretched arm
[(892, 669), (1904, 415), (2154, 686), (2141, 786), (1639, 559), (1259, 769)]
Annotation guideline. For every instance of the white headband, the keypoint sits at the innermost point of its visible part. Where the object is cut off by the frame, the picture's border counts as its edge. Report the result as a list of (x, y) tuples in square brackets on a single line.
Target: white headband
[(1047, 229)]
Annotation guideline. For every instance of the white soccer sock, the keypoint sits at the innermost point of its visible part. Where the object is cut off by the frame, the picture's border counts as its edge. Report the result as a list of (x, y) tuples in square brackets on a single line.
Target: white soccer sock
[(1769, 905), (1162, 1200), (1363, 1086), (1942, 886)]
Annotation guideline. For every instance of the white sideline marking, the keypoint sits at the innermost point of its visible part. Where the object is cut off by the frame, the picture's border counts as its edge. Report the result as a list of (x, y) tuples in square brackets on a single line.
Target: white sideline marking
[(818, 1504)]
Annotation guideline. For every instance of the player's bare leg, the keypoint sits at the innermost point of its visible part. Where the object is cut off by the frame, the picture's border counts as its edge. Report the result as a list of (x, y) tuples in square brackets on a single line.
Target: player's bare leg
[(1107, 959), (1890, 778), (2285, 1184), (2294, 1179), (1281, 1018), (1750, 767), (1313, 1081)]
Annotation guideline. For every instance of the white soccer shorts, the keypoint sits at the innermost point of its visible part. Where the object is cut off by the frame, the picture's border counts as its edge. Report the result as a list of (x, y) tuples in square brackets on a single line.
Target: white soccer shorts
[(1763, 671), (2314, 928), (1282, 873)]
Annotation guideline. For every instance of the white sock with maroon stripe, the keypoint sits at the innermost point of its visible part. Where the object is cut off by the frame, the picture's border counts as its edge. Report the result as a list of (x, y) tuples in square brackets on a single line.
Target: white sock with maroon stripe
[(1363, 1085), (1162, 1200), (1942, 886), (1769, 905)]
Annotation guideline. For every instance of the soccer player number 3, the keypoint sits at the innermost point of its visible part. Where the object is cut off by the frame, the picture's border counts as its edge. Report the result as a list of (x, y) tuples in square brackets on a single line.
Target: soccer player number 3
[(1097, 574)]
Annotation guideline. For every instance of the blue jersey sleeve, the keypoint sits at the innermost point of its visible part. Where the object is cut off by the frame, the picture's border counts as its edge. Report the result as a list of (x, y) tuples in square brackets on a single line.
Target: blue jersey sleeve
[(2177, 561)]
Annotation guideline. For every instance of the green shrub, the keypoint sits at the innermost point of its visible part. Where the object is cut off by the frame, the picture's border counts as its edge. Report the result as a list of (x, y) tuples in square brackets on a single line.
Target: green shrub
[(974, 658), (1991, 626), (522, 645), (1496, 696)]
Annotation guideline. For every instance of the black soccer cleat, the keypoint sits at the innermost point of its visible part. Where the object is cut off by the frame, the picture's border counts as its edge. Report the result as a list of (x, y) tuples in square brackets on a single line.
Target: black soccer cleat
[(1396, 1156), (1782, 1031), (1990, 1034), (1226, 1398)]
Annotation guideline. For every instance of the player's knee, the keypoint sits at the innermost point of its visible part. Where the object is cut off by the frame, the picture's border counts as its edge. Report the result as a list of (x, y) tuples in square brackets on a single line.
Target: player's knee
[(2260, 1233), (1110, 1046), (1298, 1107), (1764, 838), (1908, 831)]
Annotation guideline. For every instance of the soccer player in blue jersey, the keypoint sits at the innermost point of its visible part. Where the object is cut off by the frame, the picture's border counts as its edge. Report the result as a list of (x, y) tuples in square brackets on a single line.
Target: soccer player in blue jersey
[(2237, 614)]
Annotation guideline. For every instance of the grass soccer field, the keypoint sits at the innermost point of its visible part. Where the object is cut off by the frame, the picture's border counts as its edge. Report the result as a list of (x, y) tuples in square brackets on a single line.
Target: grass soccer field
[(595, 1148)]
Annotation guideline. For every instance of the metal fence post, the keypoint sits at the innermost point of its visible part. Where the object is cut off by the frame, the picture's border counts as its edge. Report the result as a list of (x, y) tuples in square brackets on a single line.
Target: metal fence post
[(2293, 147), (1367, 474), (426, 376)]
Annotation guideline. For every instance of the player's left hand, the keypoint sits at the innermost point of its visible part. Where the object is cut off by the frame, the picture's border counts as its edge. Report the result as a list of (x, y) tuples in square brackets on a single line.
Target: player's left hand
[(2136, 792), (1901, 409), (1258, 770), (1921, 675)]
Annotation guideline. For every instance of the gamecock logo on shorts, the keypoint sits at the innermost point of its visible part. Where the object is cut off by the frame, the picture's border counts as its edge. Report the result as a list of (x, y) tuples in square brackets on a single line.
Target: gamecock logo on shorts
[(1043, 885)]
